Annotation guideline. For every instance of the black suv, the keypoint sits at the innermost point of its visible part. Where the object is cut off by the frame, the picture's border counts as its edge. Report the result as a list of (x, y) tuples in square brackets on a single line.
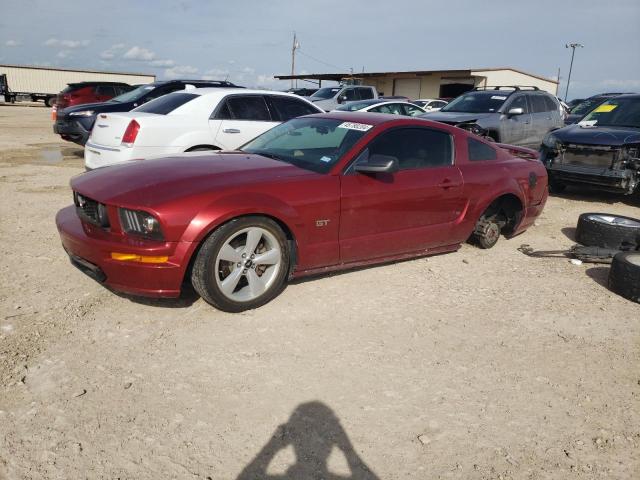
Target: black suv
[(581, 109), (75, 123)]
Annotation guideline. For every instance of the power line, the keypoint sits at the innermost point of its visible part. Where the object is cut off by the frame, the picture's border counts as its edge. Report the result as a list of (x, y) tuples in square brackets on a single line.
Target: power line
[(323, 62)]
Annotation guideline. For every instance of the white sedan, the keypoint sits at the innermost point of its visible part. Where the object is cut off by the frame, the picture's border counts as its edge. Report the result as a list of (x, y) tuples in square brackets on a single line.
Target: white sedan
[(382, 106), (189, 120), (430, 104)]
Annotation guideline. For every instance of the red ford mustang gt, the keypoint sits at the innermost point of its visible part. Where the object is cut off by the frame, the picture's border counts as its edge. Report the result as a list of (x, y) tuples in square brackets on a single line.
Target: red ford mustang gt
[(315, 194)]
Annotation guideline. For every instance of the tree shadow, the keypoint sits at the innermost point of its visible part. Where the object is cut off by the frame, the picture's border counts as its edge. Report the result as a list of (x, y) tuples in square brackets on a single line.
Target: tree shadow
[(600, 275), (313, 430)]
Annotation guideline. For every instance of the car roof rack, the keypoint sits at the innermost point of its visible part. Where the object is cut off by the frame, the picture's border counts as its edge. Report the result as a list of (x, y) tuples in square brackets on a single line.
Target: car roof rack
[(510, 87)]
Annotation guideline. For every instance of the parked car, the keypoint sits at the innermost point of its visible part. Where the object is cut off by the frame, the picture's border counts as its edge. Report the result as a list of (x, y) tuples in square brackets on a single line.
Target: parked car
[(303, 92), (315, 194), (401, 98), (90, 92), (75, 123), (377, 106), (588, 105), (430, 104), (574, 102), (198, 119), (329, 98), (602, 150), (515, 115)]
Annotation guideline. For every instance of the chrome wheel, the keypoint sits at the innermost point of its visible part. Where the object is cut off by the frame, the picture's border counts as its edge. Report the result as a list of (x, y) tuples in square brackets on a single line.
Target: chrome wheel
[(613, 220), (247, 264)]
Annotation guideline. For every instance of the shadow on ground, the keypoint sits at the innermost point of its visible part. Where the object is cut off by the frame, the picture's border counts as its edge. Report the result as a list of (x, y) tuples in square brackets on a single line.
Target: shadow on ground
[(313, 430), (588, 194), (600, 275)]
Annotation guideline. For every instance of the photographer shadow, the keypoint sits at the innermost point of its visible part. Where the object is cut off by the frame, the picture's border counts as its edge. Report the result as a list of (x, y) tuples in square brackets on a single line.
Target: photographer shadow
[(313, 431)]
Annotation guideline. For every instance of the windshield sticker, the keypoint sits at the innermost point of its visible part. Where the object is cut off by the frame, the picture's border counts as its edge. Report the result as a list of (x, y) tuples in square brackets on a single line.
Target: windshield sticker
[(325, 159), (498, 97), (363, 127), (587, 123), (605, 108)]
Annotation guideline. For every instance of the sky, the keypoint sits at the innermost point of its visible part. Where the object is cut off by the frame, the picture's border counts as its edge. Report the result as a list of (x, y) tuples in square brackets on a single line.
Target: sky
[(249, 41)]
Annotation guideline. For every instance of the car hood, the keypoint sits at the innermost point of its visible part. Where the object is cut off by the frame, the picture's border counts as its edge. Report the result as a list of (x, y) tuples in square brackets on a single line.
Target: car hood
[(455, 117), (151, 183), (607, 136), (572, 118)]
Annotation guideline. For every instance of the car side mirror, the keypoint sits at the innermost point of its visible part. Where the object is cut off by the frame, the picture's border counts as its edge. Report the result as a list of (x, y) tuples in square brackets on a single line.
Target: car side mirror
[(377, 163), (515, 111), (342, 98)]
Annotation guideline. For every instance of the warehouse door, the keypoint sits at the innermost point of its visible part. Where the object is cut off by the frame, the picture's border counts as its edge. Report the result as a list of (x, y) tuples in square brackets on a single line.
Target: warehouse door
[(407, 87)]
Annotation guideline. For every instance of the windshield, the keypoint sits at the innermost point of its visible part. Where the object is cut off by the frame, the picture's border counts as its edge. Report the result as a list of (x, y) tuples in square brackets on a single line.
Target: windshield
[(311, 143), (617, 112), (324, 93), (586, 106), (477, 102), (133, 94)]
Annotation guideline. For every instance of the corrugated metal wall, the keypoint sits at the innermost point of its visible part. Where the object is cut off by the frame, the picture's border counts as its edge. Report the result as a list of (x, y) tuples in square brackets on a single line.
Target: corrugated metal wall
[(48, 80)]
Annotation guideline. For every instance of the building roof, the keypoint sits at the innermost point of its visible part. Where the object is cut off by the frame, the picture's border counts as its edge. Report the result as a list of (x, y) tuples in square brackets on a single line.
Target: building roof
[(36, 67), (466, 72)]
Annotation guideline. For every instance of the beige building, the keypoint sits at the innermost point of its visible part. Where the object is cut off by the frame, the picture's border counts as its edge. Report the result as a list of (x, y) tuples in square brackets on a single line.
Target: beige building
[(436, 83)]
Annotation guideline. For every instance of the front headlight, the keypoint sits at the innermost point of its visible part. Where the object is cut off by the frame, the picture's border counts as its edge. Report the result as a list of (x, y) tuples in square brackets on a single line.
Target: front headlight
[(83, 113), (551, 141), (138, 222)]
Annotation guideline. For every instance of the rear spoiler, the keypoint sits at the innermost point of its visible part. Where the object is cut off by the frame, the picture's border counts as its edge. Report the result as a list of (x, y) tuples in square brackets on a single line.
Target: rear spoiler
[(521, 152)]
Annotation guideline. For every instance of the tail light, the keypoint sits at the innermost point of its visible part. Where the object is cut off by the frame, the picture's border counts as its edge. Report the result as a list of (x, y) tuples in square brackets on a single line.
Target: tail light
[(130, 134), (54, 111)]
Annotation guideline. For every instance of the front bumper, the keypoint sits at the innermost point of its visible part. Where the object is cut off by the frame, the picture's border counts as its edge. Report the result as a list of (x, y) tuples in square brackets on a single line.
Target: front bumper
[(72, 131), (90, 247)]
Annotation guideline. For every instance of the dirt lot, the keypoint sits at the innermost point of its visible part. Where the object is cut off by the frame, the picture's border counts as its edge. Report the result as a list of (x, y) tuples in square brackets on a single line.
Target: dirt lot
[(472, 365)]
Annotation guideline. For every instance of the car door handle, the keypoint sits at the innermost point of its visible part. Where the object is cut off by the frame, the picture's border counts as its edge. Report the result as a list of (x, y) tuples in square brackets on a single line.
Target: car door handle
[(447, 183), (231, 130)]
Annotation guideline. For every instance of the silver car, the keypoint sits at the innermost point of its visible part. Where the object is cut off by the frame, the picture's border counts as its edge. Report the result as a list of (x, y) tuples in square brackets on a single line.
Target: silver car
[(515, 115)]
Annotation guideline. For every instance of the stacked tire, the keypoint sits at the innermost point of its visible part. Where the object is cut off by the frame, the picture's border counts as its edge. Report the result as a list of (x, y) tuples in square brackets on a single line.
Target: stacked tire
[(620, 233)]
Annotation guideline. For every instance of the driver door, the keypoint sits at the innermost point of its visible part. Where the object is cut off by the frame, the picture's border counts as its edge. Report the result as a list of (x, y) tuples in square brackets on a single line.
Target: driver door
[(406, 211), (517, 128)]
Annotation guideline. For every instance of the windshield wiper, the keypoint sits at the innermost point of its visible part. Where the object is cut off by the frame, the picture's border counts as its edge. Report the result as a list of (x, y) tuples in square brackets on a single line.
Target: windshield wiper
[(270, 155)]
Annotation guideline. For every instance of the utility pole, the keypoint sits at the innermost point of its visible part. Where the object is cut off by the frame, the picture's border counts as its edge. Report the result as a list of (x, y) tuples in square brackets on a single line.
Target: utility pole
[(572, 46), (558, 84), (296, 46)]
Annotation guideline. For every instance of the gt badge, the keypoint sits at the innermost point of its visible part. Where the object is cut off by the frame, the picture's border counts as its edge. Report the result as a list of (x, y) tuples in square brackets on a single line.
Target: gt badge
[(322, 223)]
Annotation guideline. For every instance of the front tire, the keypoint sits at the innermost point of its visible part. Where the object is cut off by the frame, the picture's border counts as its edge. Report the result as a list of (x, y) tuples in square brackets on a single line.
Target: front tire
[(242, 265)]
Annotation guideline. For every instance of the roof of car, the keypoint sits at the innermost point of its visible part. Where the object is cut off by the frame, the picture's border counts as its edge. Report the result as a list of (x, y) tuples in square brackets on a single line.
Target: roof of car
[(95, 82), (181, 80), (367, 117), (232, 90)]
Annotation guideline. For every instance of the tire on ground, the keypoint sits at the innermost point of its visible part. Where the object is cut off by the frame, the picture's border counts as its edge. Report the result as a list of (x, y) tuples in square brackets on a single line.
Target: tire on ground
[(624, 275), (608, 231), (203, 273)]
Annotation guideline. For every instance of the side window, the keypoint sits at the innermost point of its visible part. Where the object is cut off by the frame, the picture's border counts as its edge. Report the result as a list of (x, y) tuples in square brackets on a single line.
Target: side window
[(249, 108), (479, 151), (158, 92), (288, 108), (350, 94), (105, 90), (365, 93), (520, 102), (538, 104), (415, 147), (411, 110), (551, 105), (437, 104), (224, 113)]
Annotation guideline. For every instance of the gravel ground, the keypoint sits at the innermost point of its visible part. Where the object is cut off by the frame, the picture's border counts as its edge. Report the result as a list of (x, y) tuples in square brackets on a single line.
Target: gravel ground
[(481, 364)]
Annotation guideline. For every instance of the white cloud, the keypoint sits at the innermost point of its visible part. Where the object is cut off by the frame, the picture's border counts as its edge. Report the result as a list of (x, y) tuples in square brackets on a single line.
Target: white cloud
[(55, 42), (63, 54), (180, 71), (117, 46), (12, 43), (107, 55), (162, 63), (139, 54)]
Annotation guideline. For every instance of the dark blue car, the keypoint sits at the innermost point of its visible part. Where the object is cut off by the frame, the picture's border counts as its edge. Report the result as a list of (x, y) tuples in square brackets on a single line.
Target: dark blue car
[(601, 150)]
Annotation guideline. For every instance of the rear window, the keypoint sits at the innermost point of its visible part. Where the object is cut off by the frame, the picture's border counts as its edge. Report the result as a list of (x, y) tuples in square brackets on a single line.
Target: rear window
[(479, 151), (167, 103)]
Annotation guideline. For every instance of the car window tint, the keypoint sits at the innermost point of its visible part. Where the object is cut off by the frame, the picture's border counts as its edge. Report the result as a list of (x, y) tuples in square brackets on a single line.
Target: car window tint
[(415, 147), (437, 104), (167, 103), (350, 94), (288, 108), (551, 105), (365, 93), (158, 92), (105, 90), (223, 112), (411, 110), (480, 151), (537, 103), (520, 102), (249, 108)]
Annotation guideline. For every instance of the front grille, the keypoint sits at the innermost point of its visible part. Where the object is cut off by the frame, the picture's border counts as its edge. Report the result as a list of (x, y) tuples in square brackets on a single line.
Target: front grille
[(90, 210)]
